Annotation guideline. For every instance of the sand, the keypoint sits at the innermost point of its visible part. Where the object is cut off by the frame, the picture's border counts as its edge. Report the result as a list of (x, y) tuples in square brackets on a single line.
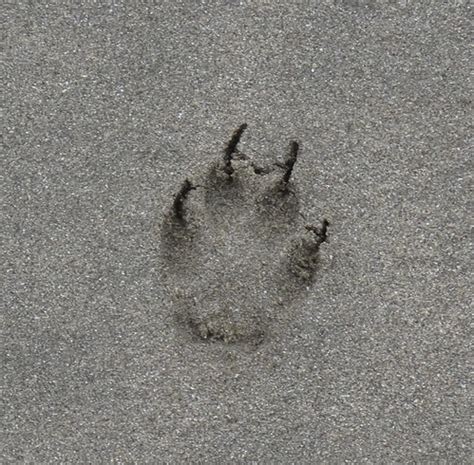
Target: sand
[(110, 108)]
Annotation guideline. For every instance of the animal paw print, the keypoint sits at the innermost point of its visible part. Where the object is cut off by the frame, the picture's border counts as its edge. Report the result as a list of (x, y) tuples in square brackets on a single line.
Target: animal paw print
[(235, 247)]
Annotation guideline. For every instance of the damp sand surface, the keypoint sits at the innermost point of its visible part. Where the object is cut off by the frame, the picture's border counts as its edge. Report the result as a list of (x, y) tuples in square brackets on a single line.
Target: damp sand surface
[(110, 109)]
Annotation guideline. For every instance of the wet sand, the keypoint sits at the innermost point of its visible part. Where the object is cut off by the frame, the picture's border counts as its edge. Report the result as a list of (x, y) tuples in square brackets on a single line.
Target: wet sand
[(110, 108)]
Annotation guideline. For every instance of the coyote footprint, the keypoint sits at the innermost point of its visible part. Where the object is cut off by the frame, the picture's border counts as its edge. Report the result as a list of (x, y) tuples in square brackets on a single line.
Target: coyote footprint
[(236, 248)]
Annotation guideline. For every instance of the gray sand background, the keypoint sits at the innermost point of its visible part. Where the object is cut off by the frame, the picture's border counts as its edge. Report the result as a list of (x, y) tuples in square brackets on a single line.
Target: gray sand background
[(110, 106)]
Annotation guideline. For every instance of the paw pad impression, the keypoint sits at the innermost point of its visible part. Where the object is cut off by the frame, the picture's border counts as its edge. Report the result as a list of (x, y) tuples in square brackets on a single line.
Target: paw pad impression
[(236, 248)]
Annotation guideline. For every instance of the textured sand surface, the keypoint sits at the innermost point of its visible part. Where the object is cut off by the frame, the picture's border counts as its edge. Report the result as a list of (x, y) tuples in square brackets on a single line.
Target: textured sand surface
[(109, 108)]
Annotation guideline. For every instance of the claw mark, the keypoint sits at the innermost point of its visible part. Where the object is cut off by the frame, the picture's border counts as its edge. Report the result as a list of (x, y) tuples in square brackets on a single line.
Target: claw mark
[(181, 196), (321, 232), (304, 256), (231, 149), (290, 163)]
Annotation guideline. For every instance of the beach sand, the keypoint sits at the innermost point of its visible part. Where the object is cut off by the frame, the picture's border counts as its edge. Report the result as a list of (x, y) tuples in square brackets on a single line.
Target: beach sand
[(110, 108)]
